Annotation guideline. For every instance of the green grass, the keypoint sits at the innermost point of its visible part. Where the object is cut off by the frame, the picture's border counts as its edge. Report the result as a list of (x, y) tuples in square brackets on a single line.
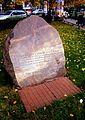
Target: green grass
[(74, 45), (11, 107)]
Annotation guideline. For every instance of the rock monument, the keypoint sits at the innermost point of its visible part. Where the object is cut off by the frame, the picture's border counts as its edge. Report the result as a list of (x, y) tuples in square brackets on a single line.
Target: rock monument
[(33, 52)]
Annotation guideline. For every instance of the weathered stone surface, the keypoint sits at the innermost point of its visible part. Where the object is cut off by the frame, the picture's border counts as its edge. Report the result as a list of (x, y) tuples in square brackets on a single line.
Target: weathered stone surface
[(34, 52)]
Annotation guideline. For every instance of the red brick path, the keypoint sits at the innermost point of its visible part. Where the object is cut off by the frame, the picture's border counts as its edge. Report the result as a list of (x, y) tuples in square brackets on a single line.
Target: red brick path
[(41, 95)]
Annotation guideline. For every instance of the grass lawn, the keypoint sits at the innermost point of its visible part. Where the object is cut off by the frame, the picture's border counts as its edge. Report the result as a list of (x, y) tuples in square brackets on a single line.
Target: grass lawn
[(71, 108)]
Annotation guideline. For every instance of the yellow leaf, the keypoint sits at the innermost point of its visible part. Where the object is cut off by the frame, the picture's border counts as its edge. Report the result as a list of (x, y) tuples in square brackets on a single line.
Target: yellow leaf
[(83, 69), (33, 111), (65, 95), (44, 108), (74, 80), (16, 90), (6, 97), (71, 115), (14, 102)]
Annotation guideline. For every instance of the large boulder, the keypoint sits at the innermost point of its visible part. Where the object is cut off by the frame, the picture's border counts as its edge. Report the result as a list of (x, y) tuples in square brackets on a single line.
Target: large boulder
[(34, 52)]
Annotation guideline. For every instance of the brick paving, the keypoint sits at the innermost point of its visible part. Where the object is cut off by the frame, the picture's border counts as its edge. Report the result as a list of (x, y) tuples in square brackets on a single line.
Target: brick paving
[(44, 94)]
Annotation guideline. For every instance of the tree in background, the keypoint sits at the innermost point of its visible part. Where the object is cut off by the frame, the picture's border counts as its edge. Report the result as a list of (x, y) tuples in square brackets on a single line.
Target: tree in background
[(40, 2), (5, 3), (73, 2)]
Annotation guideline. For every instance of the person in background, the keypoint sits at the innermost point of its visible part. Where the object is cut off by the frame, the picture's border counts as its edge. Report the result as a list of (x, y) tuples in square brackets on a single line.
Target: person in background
[(80, 19), (49, 17), (53, 14), (83, 18)]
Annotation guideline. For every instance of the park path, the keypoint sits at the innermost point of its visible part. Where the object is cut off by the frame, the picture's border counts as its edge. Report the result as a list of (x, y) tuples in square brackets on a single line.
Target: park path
[(72, 22)]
